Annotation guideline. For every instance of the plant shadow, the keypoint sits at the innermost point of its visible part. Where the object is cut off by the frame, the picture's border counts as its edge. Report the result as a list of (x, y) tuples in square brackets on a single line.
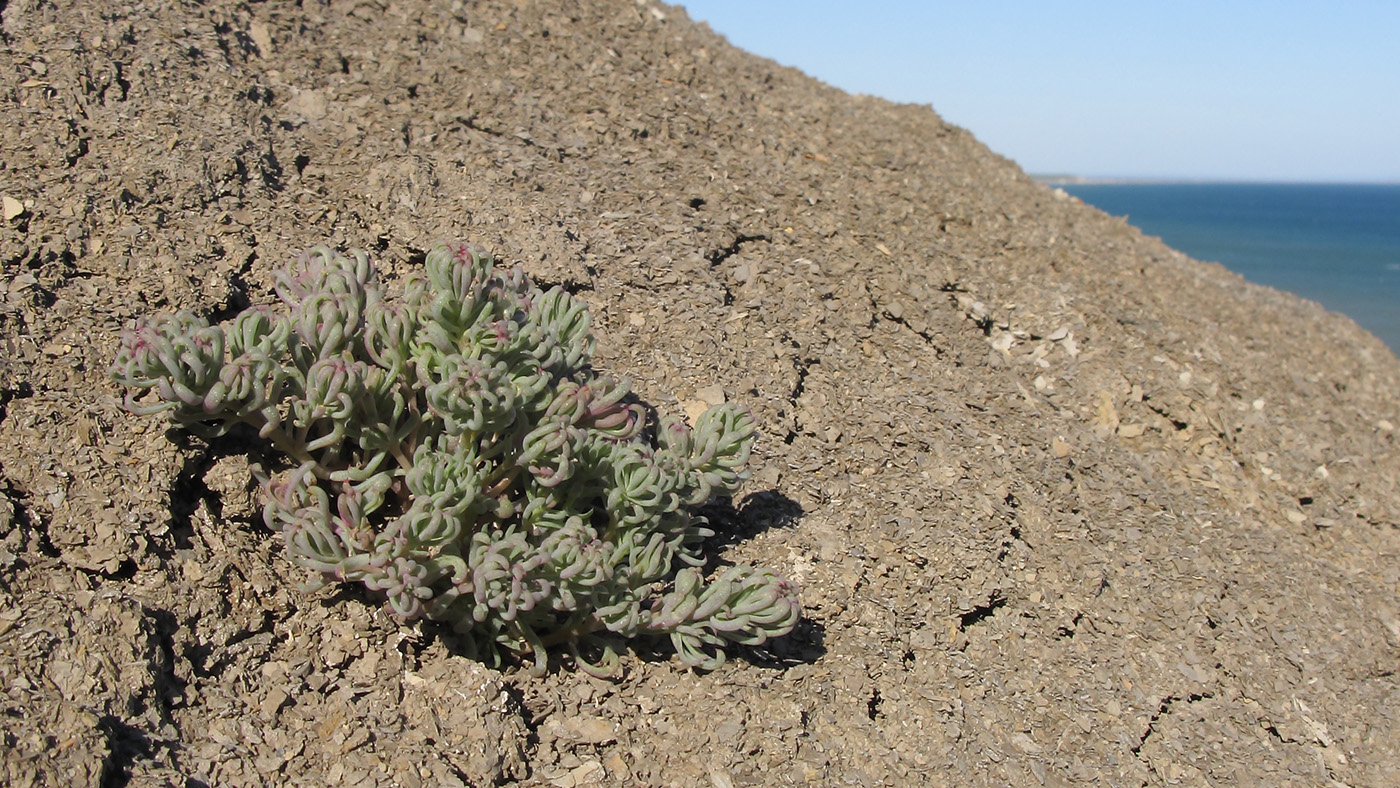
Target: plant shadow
[(757, 512)]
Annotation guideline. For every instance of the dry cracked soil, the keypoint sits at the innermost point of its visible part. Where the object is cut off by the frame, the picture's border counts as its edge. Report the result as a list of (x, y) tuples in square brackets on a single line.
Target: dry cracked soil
[(1065, 506)]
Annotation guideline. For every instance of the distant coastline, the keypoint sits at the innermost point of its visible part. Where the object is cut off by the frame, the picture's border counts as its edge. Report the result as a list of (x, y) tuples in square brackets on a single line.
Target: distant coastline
[(1084, 180), (1093, 180)]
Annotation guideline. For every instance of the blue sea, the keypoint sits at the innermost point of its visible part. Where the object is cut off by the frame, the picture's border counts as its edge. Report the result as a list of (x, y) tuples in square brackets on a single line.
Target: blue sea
[(1337, 244)]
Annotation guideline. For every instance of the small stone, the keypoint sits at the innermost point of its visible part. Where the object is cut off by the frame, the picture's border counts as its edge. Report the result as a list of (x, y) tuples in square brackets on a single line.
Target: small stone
[(1106, 415), (308, 104), (617, 768), (1026, 744), (729, 730), (261, 37), (694, 409), (589, 730), (356, 738), (273, 702), (12, 207), (588, 772), (1193, 672), (711, 395)]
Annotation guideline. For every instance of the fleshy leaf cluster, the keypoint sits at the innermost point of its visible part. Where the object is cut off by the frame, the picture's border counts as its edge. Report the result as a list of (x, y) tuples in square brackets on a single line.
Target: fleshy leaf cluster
[(453, 450)]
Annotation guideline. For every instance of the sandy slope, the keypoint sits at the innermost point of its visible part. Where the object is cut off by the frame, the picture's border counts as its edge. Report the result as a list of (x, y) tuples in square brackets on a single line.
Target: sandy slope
[(1066, 507)]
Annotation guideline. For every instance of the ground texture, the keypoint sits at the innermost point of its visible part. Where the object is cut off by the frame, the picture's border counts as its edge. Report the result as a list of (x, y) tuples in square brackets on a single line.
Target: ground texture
[(1066, 507)]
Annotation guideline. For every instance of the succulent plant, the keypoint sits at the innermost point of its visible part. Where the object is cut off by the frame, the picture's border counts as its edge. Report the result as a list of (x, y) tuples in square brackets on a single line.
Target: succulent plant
[(453, 450)]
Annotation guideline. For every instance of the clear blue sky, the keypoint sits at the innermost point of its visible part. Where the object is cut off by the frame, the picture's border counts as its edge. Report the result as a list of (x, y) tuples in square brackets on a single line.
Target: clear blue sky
[(1282, 90)]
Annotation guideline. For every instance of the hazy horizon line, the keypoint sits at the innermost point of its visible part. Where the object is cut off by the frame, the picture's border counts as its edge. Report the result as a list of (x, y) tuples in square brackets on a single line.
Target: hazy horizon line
[(1058, 179)]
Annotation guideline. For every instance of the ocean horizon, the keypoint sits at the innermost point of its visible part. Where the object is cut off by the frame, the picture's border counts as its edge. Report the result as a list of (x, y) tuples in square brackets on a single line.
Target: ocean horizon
[(1150, 180), (1334, 243)]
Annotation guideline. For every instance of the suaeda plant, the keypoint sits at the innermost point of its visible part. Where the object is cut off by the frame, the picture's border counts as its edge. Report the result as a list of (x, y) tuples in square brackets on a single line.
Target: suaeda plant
[(453, 450)]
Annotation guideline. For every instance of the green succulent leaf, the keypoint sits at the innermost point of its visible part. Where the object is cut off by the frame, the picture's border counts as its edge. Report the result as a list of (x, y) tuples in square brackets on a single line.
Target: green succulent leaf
[(453, 451)]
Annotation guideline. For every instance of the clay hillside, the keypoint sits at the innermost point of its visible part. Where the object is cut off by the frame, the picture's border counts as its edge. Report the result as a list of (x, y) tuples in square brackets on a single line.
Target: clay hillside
[(1065, 506)]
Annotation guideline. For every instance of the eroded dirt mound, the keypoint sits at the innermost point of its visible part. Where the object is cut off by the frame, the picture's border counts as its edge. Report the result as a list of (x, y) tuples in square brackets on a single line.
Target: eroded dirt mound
[(1066, 507)]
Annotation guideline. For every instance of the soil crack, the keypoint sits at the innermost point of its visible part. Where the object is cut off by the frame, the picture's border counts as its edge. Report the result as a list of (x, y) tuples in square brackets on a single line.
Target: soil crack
[(982, 612), (125, 745), (718, 256), (1163, 709), (802, 366)]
